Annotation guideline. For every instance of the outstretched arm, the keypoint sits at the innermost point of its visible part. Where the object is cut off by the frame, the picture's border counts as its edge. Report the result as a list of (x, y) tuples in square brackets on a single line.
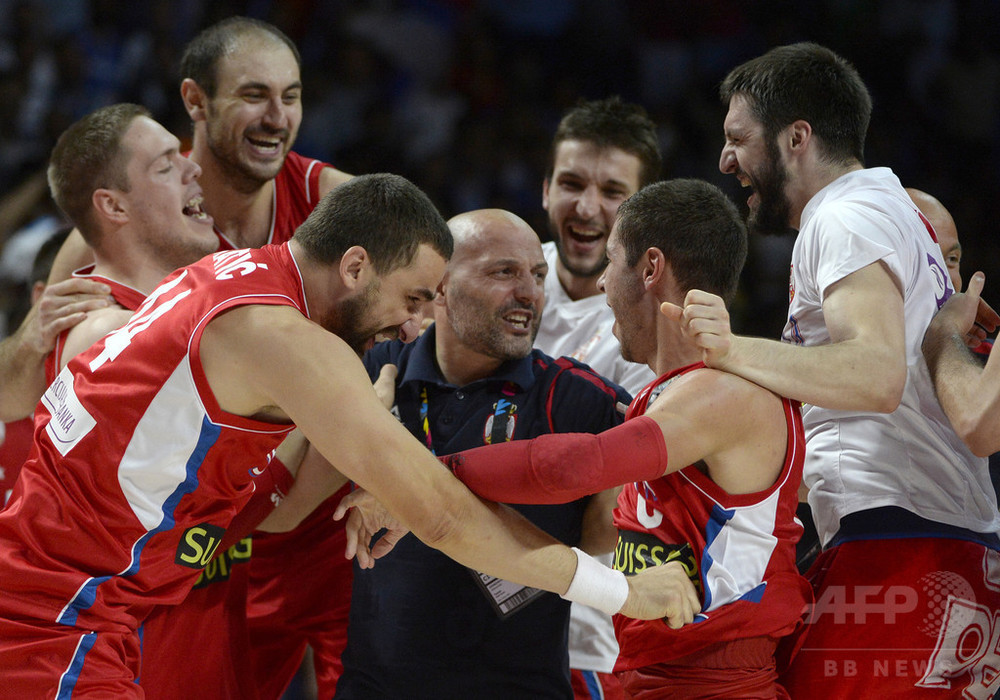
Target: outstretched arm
[(863, 368), (270, 361), (735, 427), (968, 392)]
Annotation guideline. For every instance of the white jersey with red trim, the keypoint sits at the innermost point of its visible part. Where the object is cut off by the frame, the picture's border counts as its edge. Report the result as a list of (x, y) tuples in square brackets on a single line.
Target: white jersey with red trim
[(137, 471), (739, 550), (910, 458)]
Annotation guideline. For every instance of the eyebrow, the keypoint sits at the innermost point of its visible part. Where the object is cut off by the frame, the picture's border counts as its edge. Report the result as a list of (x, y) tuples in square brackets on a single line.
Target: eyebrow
[(253, 85), (424, 293)]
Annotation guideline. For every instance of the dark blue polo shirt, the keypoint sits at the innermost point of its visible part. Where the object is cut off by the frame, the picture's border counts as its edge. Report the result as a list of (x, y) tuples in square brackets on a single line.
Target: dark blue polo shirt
[(421, 626)]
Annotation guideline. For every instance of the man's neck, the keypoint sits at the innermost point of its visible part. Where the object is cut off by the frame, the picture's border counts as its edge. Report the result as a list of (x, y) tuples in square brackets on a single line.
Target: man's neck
[(576, 287), (673, 349), (461, 366), (242, 214)]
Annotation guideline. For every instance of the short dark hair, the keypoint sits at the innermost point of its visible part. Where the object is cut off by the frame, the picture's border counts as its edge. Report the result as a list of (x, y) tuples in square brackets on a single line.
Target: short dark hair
[(612, 123), (698, 228), (386, 214), (811, 82), (200, 61), (90, 156)]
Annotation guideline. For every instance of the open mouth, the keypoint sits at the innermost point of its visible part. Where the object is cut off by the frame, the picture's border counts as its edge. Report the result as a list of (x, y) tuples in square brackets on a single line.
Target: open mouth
[(584, 235), (194, 209), (268, 147), (520, 320)]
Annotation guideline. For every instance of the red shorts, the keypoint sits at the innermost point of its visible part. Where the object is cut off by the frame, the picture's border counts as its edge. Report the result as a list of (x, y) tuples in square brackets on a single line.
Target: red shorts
[(594, 685), (46, 661), (300, 594), (901, 616), (742, 668)]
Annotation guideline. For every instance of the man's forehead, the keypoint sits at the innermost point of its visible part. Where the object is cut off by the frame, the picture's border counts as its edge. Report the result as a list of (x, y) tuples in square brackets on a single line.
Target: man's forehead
[(587, 159), (258, 61)]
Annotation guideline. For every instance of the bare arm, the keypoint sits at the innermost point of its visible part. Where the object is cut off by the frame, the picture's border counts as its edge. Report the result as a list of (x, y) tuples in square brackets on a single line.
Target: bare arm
[(330, 178), (22, 355), (968, 392), (863, 368), (258, 357), (736, 428)]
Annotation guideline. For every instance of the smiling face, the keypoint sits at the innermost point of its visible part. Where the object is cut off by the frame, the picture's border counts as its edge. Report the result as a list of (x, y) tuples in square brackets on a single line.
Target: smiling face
[(756, 162), (587, 186), (391, 305), (254, 117), (494, 291), (164, 199)]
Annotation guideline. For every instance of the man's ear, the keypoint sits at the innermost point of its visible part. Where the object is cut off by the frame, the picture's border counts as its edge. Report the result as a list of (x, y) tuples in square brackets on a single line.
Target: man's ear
[(799, 135), (654, 268), (195, 100), (109, 206), (356, 268), (545, 194), (439, 291)]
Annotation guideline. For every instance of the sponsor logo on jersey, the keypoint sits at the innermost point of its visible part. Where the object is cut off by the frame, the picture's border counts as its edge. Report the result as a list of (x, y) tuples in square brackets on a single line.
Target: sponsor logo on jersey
[(198, 545), (221, 567), (70, 422), (638, 551)]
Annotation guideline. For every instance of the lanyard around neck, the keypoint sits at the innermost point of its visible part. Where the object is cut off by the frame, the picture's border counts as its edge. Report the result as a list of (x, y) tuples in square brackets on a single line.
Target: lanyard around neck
[(501, 416)]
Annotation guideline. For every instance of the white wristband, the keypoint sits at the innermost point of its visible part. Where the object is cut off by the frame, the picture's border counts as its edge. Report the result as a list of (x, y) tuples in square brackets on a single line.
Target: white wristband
[(596, 585)]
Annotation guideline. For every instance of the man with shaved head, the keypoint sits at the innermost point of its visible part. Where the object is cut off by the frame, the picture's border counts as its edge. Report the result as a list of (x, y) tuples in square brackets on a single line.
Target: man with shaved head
[(944, 228), (421, 624)]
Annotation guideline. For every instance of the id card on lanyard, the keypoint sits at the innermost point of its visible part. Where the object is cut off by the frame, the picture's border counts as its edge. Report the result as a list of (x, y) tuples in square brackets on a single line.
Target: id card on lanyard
[(506, 597)]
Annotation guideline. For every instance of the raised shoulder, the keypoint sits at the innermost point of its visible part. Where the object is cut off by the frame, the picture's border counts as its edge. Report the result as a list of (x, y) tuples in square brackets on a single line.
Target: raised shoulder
[(737, 428), (330, 177), (97, 325)]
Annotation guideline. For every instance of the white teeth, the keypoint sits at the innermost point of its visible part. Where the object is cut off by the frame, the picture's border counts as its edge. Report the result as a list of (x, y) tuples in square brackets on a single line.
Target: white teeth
[(585, 233), (517, 319)]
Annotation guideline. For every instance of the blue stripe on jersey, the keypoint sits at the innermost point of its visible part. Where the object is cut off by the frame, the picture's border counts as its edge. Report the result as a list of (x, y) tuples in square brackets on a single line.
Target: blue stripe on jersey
[(87, 594), (67, 682), (716, 523)]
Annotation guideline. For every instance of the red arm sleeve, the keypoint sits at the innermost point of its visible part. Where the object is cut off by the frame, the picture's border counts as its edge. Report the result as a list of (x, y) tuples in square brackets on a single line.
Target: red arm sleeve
[(271, 487), (559, 468)]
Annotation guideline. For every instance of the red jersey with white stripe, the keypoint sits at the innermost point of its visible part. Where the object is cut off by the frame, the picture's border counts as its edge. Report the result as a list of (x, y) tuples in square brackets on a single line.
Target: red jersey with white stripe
[(740, 549), (296, 194), (137, 471)]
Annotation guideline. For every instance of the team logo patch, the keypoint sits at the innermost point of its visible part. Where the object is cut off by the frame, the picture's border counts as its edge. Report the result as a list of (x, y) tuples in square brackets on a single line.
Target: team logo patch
[(501, 423), (638, 551), (198, 545), (70, 421), (220, 568)]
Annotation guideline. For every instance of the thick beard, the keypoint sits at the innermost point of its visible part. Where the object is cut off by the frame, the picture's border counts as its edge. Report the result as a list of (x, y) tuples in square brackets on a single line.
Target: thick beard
[(773, 208), (350, 321)]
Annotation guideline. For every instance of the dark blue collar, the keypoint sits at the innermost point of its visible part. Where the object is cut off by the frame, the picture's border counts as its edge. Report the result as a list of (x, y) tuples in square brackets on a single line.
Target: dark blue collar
[(421, 367)]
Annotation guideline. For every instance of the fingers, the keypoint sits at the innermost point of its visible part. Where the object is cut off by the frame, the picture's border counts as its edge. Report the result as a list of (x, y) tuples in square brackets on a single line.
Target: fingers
[(385, 385), (671, 311)]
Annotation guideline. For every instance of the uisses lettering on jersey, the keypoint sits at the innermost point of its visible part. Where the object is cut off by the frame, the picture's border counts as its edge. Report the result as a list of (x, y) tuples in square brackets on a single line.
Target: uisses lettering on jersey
[(637, 551)]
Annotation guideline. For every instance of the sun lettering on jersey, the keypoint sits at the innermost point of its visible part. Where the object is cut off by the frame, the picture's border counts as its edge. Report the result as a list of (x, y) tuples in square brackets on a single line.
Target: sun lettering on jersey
[(228, 263)]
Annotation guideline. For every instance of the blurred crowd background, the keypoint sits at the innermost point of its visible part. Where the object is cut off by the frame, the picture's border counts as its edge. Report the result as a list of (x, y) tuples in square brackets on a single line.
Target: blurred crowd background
[(462, 96)]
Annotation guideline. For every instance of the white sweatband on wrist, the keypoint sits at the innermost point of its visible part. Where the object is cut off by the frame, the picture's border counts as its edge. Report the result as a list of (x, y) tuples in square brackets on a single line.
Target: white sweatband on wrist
[(596, 585)]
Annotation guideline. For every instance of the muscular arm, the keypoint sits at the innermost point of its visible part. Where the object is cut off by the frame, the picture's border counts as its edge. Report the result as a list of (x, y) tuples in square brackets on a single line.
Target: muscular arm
[(968, 392), (734, 427), (268, 361), (863, 368)]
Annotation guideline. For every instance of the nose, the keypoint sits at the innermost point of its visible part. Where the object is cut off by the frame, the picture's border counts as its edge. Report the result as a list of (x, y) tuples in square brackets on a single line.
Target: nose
[(192, 170), (600, 280), (409, 331), (727, 160), (274, 116), (588, 203)]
